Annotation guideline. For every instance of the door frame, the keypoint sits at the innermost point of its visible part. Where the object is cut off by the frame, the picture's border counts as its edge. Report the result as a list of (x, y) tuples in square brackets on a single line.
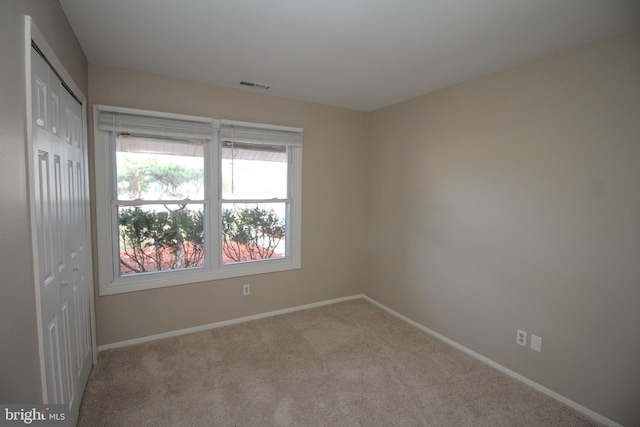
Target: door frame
[(33, 34)]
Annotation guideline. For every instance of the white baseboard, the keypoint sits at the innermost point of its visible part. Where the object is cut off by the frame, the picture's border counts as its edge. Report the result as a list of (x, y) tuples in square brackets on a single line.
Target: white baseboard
[(223, 323), (586, 411)]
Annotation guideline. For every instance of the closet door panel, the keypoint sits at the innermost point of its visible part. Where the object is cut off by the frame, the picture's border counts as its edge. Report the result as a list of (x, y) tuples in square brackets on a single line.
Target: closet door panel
[(61, 228)]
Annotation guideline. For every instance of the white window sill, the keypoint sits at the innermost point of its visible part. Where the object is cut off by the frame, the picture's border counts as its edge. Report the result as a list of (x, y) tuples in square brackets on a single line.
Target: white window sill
[(155, 280)]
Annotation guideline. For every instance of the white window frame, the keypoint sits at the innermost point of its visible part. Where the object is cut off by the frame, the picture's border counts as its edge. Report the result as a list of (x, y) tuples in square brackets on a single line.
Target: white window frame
[(107, 240)]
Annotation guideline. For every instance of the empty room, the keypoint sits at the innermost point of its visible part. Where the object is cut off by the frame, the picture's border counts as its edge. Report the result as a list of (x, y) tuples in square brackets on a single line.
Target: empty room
[(320, 213)]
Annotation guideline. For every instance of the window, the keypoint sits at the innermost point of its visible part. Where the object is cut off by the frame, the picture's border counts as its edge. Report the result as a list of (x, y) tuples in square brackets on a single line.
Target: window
[(183, 199), (161, 204)]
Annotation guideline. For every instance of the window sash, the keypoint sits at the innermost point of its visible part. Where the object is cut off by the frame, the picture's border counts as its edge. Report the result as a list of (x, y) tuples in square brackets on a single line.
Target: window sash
[(165, 128), (287, 230), (269, 137), (117, 268)]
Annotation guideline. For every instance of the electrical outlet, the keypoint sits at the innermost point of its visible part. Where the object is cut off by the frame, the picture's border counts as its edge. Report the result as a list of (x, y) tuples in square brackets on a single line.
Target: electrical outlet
[(536, 343), (521, 338), (246, 290)]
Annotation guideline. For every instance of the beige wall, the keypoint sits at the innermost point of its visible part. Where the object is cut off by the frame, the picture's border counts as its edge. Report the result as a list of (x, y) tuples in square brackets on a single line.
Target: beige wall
[(513, 201), (19, 364), (333, 207)]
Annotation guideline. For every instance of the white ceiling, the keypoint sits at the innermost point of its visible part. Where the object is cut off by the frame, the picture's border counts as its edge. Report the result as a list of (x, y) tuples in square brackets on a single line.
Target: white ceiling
[(359, 54)]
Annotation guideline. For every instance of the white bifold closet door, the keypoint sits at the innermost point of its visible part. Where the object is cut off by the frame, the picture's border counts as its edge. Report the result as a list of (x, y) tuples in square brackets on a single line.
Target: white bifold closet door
[(63, 252)]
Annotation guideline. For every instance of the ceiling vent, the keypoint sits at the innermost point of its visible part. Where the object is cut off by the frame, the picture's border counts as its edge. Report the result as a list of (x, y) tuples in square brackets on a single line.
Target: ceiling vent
[(256, 85)]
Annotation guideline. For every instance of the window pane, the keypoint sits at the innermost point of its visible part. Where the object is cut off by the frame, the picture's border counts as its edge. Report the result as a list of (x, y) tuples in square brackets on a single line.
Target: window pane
[(252, 232), (254, 171), (160, 237), (154, 169)]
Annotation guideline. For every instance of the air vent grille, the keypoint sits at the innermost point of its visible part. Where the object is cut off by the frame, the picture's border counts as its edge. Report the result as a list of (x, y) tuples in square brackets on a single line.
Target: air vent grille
[(256, 85)]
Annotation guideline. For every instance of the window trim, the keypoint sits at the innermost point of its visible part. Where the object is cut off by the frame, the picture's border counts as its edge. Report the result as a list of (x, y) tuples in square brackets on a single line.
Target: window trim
[(107, 245)]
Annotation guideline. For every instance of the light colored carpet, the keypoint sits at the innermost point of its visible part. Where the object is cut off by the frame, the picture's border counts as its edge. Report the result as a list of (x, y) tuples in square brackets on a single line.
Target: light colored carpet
[(345, 364)]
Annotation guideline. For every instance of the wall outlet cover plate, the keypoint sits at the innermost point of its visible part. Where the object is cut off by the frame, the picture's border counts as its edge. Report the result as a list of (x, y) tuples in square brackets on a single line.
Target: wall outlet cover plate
[(521, 338)]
